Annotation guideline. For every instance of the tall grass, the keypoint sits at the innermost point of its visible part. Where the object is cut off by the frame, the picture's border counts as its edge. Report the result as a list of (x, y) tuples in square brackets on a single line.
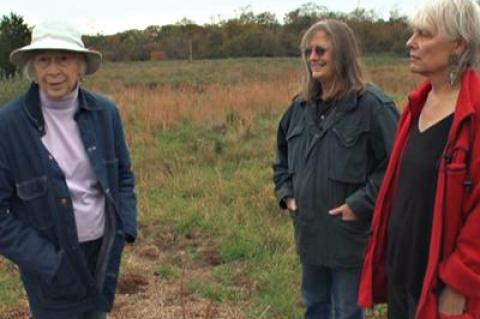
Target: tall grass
[(202, 140), (11, 88)]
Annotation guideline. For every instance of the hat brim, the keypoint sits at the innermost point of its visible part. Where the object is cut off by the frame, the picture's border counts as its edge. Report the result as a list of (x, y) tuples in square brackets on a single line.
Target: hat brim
[(19, 57)]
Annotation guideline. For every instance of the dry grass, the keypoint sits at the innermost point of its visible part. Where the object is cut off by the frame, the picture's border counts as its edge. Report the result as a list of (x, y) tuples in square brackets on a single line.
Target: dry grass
[(156, 100), (143, 294), (201, 136)]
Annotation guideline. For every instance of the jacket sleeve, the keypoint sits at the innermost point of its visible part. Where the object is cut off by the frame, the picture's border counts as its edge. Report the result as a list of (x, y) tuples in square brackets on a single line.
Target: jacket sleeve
[(382, 135), (461, 269), (281, 174), (19, 242), (127, 196)]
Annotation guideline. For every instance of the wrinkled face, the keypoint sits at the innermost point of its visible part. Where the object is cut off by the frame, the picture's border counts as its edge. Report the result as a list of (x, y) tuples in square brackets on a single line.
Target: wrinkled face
[(57, 72), (320, 58), (430, 52)]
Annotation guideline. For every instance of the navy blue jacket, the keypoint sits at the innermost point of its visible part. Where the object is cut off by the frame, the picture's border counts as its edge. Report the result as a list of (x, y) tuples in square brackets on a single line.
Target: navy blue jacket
[(37, 226)]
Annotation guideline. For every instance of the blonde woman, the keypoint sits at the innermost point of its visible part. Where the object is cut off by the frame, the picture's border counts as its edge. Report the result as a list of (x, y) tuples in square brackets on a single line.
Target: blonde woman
[(424, 255), (333, 145)]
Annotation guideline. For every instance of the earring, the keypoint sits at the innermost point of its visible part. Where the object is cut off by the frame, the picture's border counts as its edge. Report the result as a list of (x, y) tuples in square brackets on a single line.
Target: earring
[(453, 62)]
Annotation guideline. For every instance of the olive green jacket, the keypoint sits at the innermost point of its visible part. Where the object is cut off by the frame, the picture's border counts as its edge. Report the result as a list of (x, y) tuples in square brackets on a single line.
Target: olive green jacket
[(326, 163)]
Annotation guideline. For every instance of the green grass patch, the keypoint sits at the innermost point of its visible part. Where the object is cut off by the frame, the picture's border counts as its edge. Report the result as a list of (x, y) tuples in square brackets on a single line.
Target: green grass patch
[(166, 271), (206, 188), (11, 290)]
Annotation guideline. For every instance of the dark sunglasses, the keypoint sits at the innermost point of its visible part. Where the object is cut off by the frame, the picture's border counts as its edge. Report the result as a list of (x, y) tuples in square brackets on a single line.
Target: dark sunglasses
[(319, 51)]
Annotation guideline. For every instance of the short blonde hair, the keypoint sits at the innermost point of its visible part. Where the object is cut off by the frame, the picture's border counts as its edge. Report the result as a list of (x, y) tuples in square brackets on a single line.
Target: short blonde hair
[(345, 52), (29, 73), (455, 20)]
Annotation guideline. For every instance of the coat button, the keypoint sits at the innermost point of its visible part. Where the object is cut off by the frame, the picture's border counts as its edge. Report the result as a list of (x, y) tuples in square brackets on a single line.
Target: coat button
[(63, 202), (50, 157)]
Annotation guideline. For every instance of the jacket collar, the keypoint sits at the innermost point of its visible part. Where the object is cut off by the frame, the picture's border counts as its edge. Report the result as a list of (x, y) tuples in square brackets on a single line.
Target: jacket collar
[(345, 103), (33, 106), (417, 98), (467, 97), (348, 102)]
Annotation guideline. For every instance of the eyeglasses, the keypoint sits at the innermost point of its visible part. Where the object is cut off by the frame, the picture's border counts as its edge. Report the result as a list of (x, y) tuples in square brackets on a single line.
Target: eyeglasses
[(319, 50)]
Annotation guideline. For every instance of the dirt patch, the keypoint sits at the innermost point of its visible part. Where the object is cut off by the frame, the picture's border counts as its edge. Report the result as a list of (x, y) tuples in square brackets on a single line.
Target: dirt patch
[(150, 252), (132, 284), (211, 255), (169, 298)]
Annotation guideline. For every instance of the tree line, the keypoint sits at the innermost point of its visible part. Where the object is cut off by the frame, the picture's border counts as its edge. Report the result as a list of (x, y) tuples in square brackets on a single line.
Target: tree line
[(246, 35)]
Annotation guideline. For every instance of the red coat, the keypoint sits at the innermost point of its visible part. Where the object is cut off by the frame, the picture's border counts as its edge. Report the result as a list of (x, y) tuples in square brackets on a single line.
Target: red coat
[(454, 256)]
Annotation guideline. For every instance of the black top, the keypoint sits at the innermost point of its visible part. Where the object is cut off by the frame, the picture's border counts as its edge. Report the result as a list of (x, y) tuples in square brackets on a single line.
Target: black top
[(412, 209), (323, 109)]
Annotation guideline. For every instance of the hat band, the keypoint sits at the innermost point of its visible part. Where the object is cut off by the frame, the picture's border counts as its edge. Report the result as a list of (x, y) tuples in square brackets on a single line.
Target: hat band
[(56, 37)]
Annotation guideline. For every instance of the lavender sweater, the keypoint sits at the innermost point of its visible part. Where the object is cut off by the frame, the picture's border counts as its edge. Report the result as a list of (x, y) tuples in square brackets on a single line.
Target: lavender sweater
[(62, 140)]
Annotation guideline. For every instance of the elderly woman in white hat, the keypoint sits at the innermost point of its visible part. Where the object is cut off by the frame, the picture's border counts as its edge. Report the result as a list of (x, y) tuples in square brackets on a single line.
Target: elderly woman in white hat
[(67, 201)]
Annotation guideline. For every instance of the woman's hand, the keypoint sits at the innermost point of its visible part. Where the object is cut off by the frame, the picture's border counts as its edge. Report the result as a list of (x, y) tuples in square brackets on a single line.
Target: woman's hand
[(344, 212), (451, 302), (291, 204)]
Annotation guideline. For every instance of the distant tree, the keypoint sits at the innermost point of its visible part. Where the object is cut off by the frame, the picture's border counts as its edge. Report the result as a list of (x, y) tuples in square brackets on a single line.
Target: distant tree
[(247, 16), (250, 35), (152, 32), (14, 33), (213, 42), (296, 22), (267, 19), (363, 15), (189, 31), (306, 15)]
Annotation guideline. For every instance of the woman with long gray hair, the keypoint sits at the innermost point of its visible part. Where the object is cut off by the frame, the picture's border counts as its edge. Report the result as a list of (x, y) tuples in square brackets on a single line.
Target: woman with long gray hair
[(424, 254), (333, 144)]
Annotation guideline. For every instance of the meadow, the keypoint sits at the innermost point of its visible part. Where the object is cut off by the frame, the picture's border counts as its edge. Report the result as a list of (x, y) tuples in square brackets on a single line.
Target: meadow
[(213, 242)]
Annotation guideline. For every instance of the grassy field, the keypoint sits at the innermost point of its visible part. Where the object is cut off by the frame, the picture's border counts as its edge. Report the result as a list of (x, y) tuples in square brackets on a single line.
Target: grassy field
[(213, 242)]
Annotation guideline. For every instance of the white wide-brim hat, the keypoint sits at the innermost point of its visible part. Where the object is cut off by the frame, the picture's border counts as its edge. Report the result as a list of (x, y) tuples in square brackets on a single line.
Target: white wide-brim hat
[(56, 35)]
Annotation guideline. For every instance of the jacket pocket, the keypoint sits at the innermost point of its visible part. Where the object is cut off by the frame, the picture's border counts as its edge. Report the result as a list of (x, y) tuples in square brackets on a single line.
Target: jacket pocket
[(348, 241), (348, 154), (32, 188), (32, 194), (354, 227), (294, 140), (470, 313), (66, 286)]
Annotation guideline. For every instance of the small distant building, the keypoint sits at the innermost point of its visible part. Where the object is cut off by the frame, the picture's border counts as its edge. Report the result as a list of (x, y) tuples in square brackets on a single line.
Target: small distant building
[(157, 55)]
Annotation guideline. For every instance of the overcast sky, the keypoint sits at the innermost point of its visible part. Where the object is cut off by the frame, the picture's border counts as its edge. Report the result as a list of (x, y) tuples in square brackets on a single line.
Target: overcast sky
[(108, 16)]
